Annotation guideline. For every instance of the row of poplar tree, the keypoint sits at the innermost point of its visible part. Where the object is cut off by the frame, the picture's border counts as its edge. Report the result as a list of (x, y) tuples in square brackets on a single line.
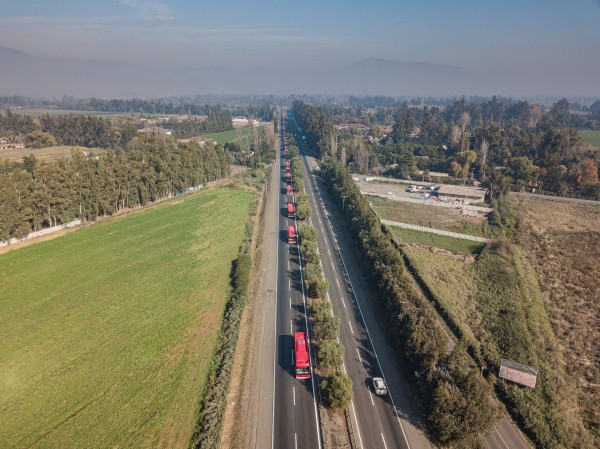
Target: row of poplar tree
[(36, 194)]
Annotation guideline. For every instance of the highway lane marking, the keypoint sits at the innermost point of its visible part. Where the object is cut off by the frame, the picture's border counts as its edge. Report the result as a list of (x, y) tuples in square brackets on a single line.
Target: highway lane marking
[(328, 252), (357, 426), (384, 445), (292, 332), (296, 440), (371, 398), (351, 330), (337, 282), (359, 357), (288, 264), (290, 302), (294, 393), (504, 442)]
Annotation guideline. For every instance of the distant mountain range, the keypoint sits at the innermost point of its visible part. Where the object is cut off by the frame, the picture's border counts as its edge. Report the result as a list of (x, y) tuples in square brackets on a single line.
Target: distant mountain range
[(24, 74)]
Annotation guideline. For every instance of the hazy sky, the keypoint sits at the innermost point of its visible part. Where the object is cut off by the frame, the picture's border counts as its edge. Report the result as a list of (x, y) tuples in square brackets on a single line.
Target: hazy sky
[(527, 38)]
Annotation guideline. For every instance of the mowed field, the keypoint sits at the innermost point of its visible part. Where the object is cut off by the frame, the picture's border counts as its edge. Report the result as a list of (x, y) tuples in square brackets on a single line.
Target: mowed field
[(229, 136), (106, 334), (47, 153), (591, 136)]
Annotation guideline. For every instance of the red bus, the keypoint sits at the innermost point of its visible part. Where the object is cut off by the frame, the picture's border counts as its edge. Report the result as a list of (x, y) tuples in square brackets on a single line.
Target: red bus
[(288, 177), (288, 189), (301, 356), (286, 153), (291, 234), (290, 210), (287, 165)]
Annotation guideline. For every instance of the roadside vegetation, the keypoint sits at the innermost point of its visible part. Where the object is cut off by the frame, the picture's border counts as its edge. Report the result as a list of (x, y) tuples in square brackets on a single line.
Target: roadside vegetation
[(451, 387), (118, 320)]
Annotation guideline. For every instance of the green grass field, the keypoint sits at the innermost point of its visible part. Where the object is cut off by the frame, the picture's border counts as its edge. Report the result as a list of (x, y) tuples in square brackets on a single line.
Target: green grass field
[(591, 136), (229, 136), (439, 241), (106, 334)]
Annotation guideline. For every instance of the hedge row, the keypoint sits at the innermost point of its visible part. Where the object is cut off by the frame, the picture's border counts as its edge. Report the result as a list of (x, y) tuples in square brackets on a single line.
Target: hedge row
[(457, 397)]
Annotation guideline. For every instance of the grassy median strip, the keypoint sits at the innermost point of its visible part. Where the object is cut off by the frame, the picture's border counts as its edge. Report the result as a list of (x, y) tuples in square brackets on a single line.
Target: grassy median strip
[(107, 332)]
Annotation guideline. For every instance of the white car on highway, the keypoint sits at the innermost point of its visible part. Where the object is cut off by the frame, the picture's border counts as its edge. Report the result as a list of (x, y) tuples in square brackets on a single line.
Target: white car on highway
[(379, 386)]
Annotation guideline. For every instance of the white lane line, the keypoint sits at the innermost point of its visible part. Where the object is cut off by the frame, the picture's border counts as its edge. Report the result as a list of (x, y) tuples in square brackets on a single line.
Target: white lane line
[(289, 284), (328, 252), (351, 330), (359, 357), (288, 263), (504, 442), (337, 282), (294, 393), (291, 330), (290, 301), (384, 445), (357, 426), (371, 398), (296, 440), (332, 266)]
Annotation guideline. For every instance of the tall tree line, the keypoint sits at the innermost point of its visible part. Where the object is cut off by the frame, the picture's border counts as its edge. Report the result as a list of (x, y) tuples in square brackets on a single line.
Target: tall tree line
[(215, 122), (37, 194), (85, 131), (320, 132)]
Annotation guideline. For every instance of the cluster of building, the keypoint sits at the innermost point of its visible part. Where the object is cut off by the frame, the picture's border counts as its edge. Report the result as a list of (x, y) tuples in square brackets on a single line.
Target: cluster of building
[(6, 145)]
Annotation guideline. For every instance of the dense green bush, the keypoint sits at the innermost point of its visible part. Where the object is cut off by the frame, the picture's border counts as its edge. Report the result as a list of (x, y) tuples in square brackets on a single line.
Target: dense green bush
[(330, 354), (303, 211), (337, 390), (326, 327), (307, 232)]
